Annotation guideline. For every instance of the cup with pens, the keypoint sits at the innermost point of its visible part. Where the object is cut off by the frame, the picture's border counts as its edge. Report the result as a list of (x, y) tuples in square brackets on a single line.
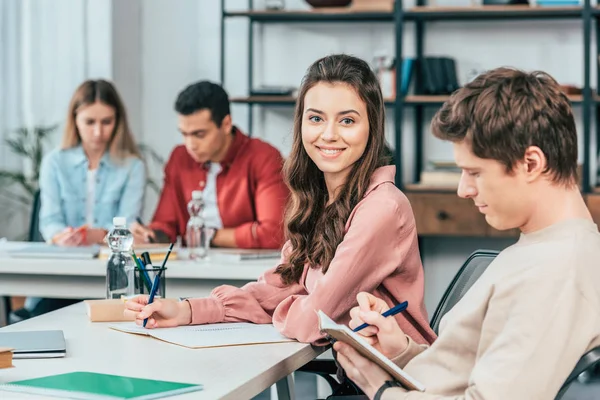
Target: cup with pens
[(150, 279)]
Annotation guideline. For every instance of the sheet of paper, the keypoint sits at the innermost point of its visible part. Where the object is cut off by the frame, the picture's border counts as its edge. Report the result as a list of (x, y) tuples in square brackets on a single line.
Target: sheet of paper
[(211, 335)]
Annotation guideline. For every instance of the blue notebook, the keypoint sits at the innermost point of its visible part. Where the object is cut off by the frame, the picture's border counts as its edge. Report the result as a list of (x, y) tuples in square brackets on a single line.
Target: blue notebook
[(96, 386)]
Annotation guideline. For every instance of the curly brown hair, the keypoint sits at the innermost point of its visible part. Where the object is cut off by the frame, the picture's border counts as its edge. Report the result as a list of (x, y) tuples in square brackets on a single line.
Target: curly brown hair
[(314, 227)]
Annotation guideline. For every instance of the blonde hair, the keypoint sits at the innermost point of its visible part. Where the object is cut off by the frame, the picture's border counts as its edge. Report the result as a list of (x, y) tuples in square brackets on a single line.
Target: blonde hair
[(121, 144)]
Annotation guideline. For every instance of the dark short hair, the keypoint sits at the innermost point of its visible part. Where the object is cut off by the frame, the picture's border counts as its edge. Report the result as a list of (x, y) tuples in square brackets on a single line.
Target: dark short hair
[(504, 111), (204, 95)]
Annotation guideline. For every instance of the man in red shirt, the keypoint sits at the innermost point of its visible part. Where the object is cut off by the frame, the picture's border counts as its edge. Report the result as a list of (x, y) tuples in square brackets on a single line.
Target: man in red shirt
[(241, 178)]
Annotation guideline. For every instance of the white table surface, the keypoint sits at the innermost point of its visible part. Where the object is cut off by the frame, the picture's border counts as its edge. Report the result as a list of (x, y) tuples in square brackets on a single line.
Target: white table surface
[(87, 278), (238, 372)]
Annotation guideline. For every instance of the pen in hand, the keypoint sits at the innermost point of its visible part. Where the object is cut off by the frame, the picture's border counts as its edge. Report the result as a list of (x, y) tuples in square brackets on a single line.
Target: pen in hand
[(156, 282), (392, 311)]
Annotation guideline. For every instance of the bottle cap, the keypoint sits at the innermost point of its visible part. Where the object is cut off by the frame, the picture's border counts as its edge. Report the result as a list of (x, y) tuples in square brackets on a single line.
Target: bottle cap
[(197, 195), (119, 221)]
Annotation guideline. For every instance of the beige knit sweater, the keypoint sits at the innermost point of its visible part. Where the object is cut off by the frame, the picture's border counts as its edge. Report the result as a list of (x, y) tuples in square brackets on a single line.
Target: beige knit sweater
[(520, 330)]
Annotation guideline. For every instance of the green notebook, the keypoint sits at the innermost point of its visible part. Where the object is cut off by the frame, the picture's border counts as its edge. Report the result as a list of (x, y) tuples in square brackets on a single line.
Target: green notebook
[(95, 386)]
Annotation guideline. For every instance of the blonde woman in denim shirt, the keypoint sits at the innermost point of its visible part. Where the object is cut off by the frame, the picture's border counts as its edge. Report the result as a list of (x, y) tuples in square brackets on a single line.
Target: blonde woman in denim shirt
[(96, 174)]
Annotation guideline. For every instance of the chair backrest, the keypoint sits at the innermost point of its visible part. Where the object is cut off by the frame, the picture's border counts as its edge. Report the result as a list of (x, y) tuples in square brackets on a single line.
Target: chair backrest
[(34, 221), (470, 271), (589, 360)]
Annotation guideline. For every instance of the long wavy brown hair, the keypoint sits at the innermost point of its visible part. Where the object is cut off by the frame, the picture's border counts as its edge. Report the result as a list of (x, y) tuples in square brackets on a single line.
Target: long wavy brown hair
[(122, 144), (315, 226)]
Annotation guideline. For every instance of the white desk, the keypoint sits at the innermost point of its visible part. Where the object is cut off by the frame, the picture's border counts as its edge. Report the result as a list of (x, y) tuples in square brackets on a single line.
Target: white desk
[(87, 278), (238, 372)]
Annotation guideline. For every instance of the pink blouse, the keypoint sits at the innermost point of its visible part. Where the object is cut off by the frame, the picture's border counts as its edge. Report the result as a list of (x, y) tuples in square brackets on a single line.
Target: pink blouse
[(379, 254)]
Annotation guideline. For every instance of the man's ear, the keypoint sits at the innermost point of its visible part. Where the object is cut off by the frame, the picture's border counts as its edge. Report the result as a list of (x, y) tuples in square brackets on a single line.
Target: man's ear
[(534, 163), (226, 124)]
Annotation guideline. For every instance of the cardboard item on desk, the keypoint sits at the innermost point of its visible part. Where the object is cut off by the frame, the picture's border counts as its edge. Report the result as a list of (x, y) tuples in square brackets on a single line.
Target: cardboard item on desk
[(6, 357), (346, 335), (35, 344), (210, 335), (93, 385), (106, 310)]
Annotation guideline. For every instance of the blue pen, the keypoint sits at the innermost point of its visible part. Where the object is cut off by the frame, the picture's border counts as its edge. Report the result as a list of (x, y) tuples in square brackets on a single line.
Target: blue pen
[(156, 282), (155, 285), (392, 311)]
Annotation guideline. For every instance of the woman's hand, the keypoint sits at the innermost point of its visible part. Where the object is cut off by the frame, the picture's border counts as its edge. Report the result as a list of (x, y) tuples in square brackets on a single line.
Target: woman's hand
[(162, 313), (69, 237), (95, 236), (383, 333)]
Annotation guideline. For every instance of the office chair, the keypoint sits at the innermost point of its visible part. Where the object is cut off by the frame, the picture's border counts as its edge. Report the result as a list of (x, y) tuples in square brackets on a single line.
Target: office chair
[(34, 220), (469, 272)]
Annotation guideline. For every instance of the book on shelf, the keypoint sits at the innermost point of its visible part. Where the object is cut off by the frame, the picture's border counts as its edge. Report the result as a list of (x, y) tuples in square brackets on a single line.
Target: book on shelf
[(440, 174)]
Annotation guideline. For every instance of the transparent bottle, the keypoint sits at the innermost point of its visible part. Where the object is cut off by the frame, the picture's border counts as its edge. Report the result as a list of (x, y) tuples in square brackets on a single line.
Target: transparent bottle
[(196, 234), (120, 267)]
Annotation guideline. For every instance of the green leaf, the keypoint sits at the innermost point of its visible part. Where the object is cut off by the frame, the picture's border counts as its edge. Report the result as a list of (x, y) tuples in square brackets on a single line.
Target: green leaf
[(43, 131), (17, 146)]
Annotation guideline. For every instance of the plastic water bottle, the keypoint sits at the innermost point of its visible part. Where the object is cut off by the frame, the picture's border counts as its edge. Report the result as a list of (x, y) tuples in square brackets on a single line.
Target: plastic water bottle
[(196, 233), (120, 268)]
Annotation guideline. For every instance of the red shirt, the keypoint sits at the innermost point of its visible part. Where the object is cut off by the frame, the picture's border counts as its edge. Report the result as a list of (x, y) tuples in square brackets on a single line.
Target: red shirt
[(251, 194)]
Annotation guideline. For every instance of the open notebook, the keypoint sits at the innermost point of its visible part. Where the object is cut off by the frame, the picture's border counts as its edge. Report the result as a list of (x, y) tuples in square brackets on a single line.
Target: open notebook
[(97, 386), (211, 335), (345, 334)]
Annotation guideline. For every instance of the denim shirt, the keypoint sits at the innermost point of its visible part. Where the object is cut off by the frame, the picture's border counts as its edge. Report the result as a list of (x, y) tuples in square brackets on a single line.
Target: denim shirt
[(119, 190)]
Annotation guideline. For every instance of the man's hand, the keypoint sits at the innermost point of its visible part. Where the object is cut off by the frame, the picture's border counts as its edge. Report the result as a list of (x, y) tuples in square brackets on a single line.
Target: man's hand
[(366, 374), (142, 234), (384, 333)]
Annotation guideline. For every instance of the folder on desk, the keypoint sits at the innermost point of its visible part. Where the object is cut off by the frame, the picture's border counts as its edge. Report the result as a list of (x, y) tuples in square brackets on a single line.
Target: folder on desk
[(234, 255), (210, 335), (46, 251), (35, 344), (98, 386)]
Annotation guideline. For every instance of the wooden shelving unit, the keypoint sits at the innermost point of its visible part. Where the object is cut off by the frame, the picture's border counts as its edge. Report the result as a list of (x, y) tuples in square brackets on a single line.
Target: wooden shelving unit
[(492, 12), (472, 224), (323, 15)]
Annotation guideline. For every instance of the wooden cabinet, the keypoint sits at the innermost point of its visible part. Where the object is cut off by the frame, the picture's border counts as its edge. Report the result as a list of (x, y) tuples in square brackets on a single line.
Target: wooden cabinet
[(446, 214), (593, 203)]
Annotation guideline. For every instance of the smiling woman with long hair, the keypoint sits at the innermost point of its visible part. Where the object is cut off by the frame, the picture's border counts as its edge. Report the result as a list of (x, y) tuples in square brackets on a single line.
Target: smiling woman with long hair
[(349, 228)]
